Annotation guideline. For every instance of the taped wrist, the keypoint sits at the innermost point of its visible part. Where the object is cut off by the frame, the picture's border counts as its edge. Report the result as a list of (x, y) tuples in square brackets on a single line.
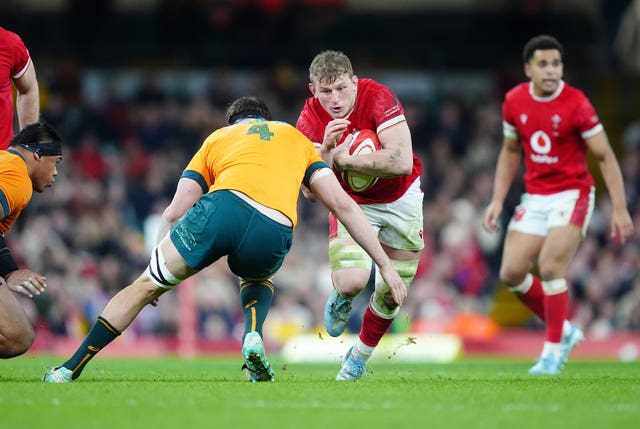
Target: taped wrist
[(7, 264)]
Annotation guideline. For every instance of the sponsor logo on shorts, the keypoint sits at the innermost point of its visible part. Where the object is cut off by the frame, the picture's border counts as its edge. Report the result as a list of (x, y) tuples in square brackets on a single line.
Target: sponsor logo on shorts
[(186, 238)]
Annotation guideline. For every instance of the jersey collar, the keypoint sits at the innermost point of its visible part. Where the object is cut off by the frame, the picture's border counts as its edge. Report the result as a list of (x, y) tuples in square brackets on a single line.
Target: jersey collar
[(552, 97)]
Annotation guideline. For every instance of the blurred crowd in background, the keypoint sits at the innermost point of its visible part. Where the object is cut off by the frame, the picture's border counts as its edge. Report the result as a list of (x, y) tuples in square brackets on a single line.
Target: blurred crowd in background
[(128, 136), (134, 91)]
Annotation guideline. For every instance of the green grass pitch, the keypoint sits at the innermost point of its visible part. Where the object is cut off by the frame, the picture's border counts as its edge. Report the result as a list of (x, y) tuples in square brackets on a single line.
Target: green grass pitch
[(213, 393)]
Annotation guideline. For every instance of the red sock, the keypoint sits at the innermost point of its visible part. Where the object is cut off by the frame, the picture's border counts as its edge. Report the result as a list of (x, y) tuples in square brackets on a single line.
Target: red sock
[(556, 312), (373, 327), (534, 298)]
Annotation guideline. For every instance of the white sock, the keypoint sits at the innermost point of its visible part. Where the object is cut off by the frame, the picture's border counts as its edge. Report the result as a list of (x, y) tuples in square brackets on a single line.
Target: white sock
[(362, 351), (566, 328)]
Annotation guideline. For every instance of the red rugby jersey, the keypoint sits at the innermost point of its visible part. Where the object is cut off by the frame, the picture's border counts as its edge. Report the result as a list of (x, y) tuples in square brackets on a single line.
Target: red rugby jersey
[(14, 61), (552, 131), (376, 108)]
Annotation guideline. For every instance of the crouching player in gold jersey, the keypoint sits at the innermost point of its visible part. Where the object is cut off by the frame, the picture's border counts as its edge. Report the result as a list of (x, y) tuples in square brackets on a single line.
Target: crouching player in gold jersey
[(29, 164), (237, 197)]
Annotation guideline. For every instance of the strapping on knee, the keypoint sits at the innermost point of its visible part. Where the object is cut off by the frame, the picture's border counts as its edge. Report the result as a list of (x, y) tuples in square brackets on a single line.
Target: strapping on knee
[(343, 255), (555, 286), (379, 306), (407, 271), (158, 272)]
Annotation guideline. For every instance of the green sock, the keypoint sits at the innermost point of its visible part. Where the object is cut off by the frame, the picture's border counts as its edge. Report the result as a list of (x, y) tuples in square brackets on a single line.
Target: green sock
[(101, 334), (256, 300)]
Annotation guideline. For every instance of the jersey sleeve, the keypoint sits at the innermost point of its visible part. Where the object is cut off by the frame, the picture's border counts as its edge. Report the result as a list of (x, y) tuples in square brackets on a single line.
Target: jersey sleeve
[(199, 169), (314, 160), (20, 56), (4, 204), (587, 121), (509, 129), (385, 107), (15, 194), (307, 125)]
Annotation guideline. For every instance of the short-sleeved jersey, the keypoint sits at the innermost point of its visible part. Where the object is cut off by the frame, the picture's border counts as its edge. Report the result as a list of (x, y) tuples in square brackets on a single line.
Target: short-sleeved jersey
[(15, 187), (14, 62), (552, 131), (265, 160), (376, 108)]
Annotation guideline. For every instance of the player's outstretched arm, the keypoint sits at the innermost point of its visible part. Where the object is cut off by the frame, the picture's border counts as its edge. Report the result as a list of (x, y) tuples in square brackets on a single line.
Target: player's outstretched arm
[(328, 190)]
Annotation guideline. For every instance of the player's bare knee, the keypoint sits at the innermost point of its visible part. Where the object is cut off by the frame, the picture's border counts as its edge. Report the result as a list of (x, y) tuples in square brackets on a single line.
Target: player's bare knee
[(550, 269), (16, 342), (512, 277), (25, 342), (350, 282), (145, 289), (351, 267), (349, 288)]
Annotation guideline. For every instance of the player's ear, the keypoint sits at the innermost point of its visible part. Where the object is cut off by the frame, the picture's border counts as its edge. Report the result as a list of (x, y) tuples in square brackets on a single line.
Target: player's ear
[(354, 80), (312, 88), (527, 70)]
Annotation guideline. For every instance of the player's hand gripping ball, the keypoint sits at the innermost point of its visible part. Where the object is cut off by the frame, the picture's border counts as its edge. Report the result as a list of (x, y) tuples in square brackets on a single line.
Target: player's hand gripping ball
[(364, 141)]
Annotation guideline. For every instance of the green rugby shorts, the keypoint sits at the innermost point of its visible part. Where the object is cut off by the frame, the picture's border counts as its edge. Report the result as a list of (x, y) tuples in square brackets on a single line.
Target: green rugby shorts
[(219, 224)]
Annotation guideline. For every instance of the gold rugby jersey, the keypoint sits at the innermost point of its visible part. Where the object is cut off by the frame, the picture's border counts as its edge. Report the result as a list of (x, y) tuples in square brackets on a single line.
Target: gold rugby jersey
[(265, 160), (15, 187)]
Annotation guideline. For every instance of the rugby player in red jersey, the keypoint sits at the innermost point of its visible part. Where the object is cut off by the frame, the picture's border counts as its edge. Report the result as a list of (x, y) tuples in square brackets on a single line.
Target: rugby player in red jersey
[(340, 104), (553, 126), (16, 64), (237, 198)]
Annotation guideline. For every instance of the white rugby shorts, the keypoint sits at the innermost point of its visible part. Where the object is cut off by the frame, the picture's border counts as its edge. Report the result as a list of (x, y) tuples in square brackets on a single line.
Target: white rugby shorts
[(537, 213), (399, 223)]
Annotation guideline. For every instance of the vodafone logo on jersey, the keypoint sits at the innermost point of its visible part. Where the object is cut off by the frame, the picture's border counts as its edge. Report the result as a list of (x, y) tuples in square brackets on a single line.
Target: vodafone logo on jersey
[(541, 146), (540, 142)]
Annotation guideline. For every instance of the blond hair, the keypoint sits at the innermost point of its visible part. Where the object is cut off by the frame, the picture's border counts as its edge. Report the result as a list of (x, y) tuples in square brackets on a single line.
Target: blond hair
[(328, 66)]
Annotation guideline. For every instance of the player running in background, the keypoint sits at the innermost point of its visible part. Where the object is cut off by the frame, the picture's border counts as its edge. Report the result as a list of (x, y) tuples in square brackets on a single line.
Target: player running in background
[(17, 66), (555, 126), (237, 197), (341, 103), (30, 164)]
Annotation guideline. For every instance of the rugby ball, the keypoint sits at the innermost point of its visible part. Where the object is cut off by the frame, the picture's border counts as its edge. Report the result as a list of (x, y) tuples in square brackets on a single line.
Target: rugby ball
[(364, 141)]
